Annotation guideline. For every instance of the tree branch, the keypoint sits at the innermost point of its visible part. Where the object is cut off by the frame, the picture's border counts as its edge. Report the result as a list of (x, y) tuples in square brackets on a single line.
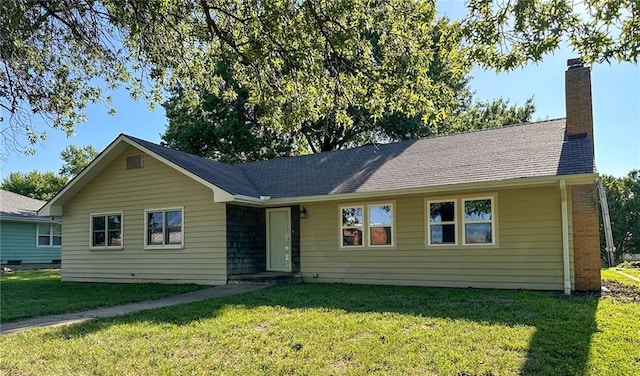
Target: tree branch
[(216, 32)]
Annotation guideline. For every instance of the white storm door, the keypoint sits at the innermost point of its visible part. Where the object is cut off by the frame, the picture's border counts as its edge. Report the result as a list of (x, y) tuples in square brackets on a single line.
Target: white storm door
[(279, 239)]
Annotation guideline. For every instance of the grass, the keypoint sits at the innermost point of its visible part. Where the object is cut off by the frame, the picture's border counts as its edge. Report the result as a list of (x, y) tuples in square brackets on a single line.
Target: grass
[(338, 329), (612, 275), (31, 293), (633, 272)]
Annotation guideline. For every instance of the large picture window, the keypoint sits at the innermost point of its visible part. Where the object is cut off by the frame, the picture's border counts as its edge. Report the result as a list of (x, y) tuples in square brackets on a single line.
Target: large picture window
[(49, 235), (442, 222), (106, 230), (478, 220), (372, 227), (164, 228)]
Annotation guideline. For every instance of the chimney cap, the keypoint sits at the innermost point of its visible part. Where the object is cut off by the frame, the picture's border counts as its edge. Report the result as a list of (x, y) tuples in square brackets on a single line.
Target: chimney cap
[(575, 63)]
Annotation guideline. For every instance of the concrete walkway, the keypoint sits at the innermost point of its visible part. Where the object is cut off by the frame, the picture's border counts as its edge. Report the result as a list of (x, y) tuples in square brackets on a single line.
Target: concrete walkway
[(78, 317)]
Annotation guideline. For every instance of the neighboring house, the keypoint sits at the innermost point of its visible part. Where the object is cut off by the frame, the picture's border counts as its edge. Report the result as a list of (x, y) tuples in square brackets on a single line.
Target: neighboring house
[(509, 208), (26, 238)]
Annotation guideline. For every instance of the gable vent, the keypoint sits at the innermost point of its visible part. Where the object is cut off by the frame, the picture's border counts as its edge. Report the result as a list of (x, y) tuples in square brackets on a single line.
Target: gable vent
[(134, 161)]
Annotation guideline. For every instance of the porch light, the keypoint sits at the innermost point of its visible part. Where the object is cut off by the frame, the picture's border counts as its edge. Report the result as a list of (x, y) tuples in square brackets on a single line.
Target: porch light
[(303, 213)]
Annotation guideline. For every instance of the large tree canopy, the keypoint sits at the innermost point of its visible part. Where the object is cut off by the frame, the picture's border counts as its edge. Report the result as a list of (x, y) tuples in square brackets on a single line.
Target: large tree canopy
[(224, 128), (302, 61), (228, 129)]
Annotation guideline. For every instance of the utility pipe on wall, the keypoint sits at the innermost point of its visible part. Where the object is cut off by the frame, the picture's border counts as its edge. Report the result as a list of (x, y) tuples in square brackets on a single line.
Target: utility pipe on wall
[(565, 238)]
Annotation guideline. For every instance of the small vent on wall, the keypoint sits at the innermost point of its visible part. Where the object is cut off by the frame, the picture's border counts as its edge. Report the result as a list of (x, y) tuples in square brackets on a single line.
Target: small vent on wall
[(134, 161)]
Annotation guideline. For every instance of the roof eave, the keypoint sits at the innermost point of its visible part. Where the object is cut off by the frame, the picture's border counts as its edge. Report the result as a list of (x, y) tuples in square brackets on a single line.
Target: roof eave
[(28, 219), (53, 208), (577, 179)]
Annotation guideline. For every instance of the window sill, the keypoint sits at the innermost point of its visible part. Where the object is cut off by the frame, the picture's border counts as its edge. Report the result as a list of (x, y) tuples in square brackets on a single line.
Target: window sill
[(462, 246), (368, 248), (448, 245), (480, 245), (119, 248), (161, 247)]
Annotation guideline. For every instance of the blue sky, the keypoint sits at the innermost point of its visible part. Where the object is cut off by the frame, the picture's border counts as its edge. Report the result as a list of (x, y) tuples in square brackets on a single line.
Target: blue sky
[(616, 109)]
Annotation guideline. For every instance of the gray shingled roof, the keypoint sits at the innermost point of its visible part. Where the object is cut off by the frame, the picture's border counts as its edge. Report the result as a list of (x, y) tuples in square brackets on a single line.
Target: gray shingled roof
[(524, 151), (17, 206)]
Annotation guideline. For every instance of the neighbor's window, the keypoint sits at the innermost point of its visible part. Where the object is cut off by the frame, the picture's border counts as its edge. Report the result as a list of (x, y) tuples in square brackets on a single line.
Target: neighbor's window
[(478, 221), (49, 235), (164, 228), (380, 225), (442, 222), (106, 230), (352, 226)]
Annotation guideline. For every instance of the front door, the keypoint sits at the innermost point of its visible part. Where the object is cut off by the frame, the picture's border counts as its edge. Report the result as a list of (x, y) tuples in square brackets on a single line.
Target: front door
[(279, 239)]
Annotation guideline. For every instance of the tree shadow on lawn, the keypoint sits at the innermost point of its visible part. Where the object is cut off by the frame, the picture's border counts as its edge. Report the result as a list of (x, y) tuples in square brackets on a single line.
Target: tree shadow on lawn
[(560, 344)]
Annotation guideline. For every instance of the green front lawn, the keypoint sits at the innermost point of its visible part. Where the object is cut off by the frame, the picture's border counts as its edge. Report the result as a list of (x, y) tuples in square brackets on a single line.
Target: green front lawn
[(31, 293), (633, 272), (337, 329), (611, 275)]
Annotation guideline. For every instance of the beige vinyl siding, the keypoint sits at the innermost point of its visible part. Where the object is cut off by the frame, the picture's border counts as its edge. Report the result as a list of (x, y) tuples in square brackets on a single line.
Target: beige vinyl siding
[(527, 254), (155, 186)]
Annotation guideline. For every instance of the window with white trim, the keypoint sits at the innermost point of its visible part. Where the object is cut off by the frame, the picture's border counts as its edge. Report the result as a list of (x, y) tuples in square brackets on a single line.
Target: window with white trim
[(49, 235), (106, 230), (372, 227), (478, 221), (164, 228), (380, 225), (442, 222), (352, 226)]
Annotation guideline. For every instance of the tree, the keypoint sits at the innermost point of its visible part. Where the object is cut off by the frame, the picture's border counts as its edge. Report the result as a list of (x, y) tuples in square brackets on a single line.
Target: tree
[(44, 185), (507, 34), (623, 198), (218, 134), (75, 159), (490, 114), (302, 61), (229, 131), (35, 184), (222, 128)]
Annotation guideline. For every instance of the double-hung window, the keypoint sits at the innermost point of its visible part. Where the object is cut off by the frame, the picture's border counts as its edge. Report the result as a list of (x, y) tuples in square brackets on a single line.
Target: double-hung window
[(442, 222), (466, 221), (372, 227), (164, 228), (106, 230), (49, 235), (478, 220)]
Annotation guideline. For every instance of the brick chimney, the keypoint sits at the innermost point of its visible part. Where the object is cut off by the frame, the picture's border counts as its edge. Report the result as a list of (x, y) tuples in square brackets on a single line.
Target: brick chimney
[(584, 204), (577, 83)]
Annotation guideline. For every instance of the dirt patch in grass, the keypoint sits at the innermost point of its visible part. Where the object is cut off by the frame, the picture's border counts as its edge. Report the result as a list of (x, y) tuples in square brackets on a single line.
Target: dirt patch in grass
[(621, 291)]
